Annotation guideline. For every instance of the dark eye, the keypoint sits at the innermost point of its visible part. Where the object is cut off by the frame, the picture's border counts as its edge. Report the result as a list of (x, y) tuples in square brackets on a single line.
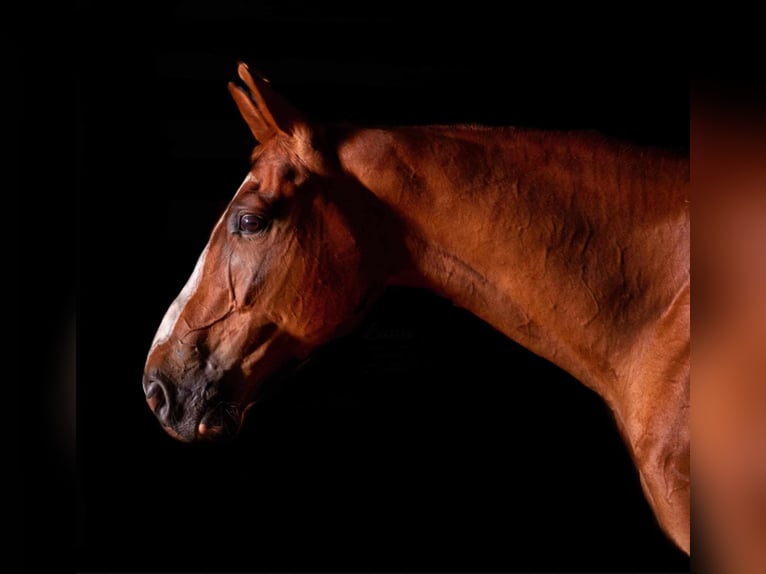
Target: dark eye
[(252, 223)]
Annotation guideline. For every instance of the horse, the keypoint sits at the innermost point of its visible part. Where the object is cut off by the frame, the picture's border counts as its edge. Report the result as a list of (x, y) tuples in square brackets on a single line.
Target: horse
[(571, 243)]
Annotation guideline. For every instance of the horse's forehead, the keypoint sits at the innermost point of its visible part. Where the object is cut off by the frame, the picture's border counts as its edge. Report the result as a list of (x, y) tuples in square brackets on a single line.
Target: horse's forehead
[(269, 155)]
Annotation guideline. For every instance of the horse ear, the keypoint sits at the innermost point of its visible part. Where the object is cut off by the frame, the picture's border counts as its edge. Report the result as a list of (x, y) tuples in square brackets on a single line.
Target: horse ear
[(247, 108), (263, 109)]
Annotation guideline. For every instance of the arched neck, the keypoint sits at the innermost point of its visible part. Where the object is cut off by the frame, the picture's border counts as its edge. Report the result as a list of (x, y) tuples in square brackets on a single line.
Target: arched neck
[(568, 243)]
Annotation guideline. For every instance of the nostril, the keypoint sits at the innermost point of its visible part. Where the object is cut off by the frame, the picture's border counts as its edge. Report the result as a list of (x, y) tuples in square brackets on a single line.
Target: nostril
[(154, 396), (158, 398)]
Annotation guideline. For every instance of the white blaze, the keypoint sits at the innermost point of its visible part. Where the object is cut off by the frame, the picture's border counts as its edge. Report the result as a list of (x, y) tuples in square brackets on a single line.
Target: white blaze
[(174, 311), (170, 319)]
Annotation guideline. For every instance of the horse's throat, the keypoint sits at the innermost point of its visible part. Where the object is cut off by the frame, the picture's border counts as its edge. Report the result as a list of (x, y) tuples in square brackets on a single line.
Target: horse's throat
[(528, 315)]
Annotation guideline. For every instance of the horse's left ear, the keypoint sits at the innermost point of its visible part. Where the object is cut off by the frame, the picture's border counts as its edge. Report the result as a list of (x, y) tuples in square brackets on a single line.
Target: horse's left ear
[(265, 111)]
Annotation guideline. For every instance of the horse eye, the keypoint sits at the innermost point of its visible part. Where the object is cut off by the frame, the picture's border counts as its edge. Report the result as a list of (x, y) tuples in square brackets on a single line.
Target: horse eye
[(251, 223)]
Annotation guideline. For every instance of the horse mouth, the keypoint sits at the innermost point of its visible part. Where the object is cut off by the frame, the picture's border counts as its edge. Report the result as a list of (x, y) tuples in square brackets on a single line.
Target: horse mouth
[(220, 422)]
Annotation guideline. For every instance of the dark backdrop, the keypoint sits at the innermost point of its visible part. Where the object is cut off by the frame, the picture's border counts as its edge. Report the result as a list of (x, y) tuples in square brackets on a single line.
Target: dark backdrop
[(424, 442)]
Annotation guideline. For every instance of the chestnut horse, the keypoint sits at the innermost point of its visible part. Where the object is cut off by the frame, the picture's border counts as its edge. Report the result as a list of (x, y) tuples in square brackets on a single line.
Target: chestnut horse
[(573, 245)]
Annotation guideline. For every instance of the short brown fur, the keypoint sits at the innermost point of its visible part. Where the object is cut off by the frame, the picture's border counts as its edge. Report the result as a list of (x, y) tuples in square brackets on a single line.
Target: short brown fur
[(571, 244)]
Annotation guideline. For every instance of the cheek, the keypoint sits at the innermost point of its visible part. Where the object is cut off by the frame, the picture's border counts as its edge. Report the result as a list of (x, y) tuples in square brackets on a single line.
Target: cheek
[(250, 272), (330, 290), (307, 281)]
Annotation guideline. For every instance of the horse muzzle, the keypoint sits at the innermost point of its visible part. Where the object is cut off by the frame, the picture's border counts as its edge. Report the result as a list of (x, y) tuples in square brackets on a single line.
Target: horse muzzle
[(193, 412)]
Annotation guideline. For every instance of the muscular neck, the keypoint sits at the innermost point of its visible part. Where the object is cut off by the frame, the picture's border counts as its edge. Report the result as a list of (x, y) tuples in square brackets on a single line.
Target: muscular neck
[(567, 243)]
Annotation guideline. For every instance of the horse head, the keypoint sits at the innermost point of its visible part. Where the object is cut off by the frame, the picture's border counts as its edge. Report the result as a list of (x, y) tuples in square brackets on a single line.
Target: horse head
[(292, 263)]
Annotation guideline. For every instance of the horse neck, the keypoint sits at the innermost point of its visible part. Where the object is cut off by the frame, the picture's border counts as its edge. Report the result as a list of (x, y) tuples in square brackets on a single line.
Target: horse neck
[(565, 242)]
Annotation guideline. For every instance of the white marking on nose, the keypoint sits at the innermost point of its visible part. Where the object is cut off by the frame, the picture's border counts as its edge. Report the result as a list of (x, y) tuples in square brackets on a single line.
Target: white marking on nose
[(170, 319)]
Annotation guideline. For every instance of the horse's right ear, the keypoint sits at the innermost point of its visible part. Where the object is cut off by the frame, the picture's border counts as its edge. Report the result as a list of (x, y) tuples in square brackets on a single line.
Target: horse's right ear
[(263, 109)]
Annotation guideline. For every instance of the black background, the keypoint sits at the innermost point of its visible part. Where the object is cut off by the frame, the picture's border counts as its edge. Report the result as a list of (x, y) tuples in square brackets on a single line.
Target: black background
[(424, 442)]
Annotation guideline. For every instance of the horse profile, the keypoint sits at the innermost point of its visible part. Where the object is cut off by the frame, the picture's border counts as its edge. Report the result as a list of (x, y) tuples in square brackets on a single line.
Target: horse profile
[(571, 244)]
